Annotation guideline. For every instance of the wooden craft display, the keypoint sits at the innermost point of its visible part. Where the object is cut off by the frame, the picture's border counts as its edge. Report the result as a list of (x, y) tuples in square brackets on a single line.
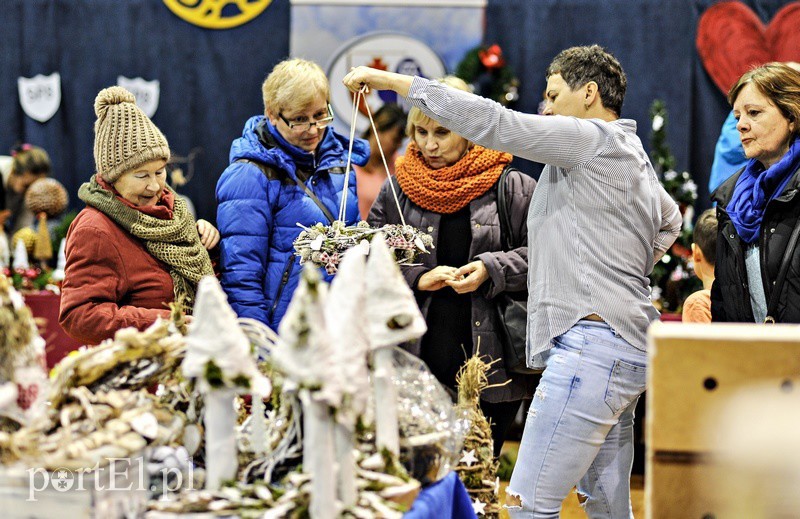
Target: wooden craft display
[(694, 371)]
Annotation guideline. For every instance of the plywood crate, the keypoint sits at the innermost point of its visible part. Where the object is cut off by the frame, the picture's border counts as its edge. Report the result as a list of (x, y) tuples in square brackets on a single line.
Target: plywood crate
[(694, 368), (693, 371)]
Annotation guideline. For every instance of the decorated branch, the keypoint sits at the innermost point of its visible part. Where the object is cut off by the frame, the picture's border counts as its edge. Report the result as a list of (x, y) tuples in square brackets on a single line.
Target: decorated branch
[(477, 466), (325, 245)]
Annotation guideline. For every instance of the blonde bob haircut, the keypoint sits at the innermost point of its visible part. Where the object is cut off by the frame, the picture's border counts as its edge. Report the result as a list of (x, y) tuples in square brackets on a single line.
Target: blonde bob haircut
[(293, 85), (415, 115)]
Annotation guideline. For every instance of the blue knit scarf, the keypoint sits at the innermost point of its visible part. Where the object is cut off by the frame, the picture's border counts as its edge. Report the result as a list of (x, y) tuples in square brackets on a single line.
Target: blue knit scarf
[(757, 186)]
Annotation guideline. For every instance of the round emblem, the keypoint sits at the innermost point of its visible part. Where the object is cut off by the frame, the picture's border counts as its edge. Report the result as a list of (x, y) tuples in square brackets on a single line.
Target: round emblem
[(217, 14), (394, 52), (62, 479)]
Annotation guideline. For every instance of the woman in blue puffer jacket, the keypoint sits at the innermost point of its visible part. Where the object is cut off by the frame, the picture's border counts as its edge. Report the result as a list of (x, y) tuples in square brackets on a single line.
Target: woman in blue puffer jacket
[(287, 168)]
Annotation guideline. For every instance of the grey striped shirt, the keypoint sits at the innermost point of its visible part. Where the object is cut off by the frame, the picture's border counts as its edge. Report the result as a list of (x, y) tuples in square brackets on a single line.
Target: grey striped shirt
[(597, 217)]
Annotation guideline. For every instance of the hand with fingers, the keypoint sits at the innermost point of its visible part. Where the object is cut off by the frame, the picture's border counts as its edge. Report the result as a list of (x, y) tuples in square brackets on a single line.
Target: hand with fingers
[(371, 78), (209, 235), (469, 277), (437, 278)]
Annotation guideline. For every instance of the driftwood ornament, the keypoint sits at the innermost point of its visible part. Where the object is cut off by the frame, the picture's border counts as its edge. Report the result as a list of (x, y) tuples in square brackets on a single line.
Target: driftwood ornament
[(304, 355), (218, 355), (393, 318), (344, 318)]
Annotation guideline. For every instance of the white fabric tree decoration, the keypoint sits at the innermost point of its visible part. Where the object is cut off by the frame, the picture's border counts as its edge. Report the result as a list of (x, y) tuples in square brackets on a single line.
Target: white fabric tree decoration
[(20, 256), (393, 318), (218, 355), (304, 355), (346, 323)]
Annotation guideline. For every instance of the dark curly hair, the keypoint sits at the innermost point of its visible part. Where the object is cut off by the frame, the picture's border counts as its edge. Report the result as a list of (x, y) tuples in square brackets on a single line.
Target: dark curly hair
[(580, 65)]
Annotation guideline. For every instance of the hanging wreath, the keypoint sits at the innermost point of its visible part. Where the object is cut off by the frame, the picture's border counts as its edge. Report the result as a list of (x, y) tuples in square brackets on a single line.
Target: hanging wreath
[(485, 69)]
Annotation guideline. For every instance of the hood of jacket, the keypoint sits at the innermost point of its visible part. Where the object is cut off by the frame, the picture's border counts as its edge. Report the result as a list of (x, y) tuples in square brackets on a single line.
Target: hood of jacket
[(261, 142)]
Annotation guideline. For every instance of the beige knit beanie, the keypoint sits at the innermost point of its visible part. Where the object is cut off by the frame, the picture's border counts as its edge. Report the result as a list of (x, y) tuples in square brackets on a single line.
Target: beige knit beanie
[(124, 137)]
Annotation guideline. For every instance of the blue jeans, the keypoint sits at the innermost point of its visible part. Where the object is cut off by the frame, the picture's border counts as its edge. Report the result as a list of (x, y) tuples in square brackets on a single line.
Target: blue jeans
[(579, 429)]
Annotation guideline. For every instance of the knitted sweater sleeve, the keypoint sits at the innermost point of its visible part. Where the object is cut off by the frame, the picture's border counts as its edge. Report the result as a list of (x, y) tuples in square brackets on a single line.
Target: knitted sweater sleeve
[(94, 284)]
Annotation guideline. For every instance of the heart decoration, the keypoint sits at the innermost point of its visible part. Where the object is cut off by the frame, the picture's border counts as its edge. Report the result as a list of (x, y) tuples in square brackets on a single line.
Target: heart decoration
[(26, 395), (731, 39)]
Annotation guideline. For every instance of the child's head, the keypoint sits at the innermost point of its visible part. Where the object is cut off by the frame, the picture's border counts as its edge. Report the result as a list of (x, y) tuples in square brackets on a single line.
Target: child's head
[(704, 248), (29, 164)]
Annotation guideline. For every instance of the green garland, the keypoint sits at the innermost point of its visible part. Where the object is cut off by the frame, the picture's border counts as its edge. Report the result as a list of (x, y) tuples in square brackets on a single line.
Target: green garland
[(503, 85)]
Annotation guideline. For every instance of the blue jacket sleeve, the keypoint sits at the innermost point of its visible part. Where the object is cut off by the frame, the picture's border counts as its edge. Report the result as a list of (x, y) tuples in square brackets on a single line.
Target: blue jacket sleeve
[(728, 154), (244, 217)]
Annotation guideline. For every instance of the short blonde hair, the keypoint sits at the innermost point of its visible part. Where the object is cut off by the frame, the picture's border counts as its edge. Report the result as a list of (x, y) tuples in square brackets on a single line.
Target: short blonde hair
[(294, 83), (415, 115)]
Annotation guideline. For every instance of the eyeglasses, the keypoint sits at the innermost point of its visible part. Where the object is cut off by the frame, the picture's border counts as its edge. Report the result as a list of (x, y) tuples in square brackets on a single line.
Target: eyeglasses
[(305, 126)]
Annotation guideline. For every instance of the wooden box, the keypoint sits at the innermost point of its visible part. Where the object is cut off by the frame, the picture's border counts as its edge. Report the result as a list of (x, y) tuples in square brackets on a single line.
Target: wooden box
[(694, 368), (696, 375), (681, 488)]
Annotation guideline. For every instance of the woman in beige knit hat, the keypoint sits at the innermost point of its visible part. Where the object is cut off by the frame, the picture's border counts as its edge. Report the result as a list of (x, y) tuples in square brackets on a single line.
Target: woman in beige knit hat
[(135, 247)]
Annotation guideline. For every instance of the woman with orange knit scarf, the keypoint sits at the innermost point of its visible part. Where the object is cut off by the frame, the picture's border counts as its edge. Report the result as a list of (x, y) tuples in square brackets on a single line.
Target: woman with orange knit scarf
[(446, 187)]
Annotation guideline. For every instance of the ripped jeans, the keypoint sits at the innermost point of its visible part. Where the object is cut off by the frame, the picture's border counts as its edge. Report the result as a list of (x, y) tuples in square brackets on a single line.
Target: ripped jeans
[(579, 429)]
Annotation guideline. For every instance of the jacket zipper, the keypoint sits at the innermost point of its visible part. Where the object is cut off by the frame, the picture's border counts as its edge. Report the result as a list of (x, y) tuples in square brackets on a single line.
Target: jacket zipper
[(287, 271), (730, 237), (763, 259)]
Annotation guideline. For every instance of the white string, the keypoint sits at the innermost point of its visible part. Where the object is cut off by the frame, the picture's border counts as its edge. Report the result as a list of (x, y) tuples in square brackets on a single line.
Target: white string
[(385, 165), (342, 207)]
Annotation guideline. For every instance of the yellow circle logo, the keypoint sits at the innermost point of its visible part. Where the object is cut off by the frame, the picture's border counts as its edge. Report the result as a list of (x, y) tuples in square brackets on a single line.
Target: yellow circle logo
[(217, 14)]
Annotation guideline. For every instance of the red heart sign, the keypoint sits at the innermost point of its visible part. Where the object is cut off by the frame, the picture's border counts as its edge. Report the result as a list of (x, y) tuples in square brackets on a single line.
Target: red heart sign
[(26, 395), (731, 39)]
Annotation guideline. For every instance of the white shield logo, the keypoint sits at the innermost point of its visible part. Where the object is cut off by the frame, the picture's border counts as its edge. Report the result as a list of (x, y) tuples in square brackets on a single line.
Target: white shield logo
[(146, 92), (40, 96)]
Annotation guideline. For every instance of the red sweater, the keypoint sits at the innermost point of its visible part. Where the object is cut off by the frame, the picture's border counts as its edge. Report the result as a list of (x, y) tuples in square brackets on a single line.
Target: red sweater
[(111, 281)]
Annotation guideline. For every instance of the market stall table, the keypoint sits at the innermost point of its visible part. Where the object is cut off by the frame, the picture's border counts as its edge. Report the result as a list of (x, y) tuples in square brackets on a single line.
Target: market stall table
[(44, 306)]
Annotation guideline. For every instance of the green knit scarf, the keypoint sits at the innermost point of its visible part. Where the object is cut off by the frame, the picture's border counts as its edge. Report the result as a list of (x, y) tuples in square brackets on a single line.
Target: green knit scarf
[(174, 242)]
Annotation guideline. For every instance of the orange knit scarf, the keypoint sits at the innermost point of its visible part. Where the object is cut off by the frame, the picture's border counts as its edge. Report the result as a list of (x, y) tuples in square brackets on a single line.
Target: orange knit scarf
[(449, 189)]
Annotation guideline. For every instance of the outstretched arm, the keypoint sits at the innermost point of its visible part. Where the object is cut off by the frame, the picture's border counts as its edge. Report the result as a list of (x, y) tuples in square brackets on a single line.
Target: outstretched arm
[(556, 140)]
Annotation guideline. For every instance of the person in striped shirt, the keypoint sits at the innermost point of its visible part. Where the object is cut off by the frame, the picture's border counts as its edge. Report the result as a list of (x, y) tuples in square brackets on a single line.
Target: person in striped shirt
[(598, 221)]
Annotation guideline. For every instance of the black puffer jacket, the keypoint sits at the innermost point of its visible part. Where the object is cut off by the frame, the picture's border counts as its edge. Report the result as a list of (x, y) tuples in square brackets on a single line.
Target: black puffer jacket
[(730, 295)]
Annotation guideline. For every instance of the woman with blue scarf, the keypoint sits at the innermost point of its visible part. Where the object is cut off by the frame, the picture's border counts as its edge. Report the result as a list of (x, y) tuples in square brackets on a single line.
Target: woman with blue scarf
[(287, 168), (758, 260)]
